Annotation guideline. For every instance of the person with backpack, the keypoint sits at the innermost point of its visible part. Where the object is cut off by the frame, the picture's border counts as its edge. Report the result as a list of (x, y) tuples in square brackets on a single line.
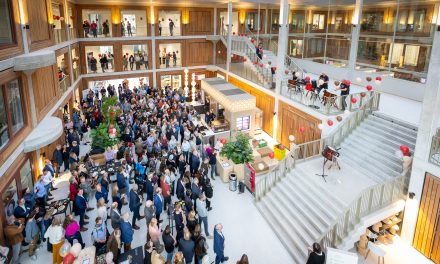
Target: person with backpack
[(209, 193)]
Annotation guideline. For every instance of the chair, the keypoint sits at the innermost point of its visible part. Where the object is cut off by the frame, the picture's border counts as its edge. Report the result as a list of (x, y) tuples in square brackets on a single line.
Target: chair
[(380, 253)]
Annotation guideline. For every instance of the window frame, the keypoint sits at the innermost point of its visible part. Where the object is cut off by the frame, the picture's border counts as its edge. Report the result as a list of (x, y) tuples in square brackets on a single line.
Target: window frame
[(12, 27), (3, 90)]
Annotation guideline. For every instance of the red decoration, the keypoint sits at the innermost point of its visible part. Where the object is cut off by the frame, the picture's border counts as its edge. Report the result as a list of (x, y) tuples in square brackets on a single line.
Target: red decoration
[(369, 87), (96, 20), (252, 40), (347, 82), (330, 122), (354, 100), (378, 78), (69, 259), (261, 65), (307, 78), (274, 69), (126, 53), (99, 55), (404, 149), (271, 155), (256, 62), (302, 129), (223, 141), (309, 87)]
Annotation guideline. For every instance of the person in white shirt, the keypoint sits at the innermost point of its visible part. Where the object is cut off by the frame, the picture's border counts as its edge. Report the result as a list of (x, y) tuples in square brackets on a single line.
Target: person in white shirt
[(55, 234), (186, 147)]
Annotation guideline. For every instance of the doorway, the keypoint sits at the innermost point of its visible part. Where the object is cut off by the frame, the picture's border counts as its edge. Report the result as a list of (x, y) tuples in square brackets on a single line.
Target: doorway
[(174, 81)]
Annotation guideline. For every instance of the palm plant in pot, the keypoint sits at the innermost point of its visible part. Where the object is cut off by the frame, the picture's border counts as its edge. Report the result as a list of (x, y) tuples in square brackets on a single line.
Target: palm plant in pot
[(239, 152)]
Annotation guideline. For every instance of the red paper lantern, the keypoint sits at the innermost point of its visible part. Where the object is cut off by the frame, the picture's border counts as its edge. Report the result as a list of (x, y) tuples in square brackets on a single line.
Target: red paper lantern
[(244, 59), (369, 87), (68, 259), (274, 69), (307, 78), (302, 129), (378, 78), (261, 65), (271, 155), (330, 122), (354, 100), (223, 141)]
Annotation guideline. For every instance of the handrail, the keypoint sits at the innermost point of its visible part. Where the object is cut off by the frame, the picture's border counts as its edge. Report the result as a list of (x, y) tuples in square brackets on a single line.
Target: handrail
[(291, 65), (434, 154), (313, 149), (371, 199)]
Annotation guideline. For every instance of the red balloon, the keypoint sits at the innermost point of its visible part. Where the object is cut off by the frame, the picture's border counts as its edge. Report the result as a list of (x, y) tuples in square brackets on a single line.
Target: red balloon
[(369, 87), (404, 149), (347, 82), (223, 141), (256, 62), (307, 78), (354, 100), (261, 65), (274, 68), (252, 40), (68, 259), (330, 122), (302, 129), (271, 155), (126, 53), (378, 78)]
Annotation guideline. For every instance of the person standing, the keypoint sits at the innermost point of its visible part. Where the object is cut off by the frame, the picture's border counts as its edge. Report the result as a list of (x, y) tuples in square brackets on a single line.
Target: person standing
[(114, 244), (94, 28), (171, 25), (154, 232), (186, 245), (169, 242), (158, 203), (86, 28), (57, 157), (159, 24), (344, 87), (129, 33), (149, 212), (80, 208), (14, 234), (122, 28), (213, 164), (115, 216), (55, 233), (126, 232), (65, 152), (104, 62), (316, 255), (105, 28), (99, 235), (174, 58), (167, 60), (219, 244), (179, 220), (135, 205), (203, 213), (125, 63), (131, 61), (72, 230)]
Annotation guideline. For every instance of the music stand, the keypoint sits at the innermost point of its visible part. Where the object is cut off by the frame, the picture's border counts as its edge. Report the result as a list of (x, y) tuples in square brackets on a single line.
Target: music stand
[(323, 175)]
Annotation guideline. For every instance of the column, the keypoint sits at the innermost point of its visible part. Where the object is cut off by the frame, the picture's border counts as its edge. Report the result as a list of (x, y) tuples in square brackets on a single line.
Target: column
[(283, 34), (23, 26), (428, 123), (215, 21), (229, 39), (355, 32), (153, 44), (28, 74)]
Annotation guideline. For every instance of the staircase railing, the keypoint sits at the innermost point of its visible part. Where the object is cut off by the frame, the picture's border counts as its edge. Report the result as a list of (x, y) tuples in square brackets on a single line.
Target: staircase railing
[(292, 66), (434, 154), (372, 199), (314, 148)]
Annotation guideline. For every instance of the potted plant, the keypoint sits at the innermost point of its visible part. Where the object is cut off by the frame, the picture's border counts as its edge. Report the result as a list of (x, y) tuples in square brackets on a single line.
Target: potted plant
[(239, 152)]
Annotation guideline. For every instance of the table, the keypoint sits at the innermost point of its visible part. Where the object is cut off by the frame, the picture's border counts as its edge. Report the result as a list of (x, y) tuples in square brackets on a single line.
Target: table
[(57, 204), (86, 256), (137, 255), (222, 170), (264, 151)]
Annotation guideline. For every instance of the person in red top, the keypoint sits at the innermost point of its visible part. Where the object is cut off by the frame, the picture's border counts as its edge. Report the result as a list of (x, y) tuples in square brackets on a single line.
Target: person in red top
[(73, 189), (94, 28), (165, 186)]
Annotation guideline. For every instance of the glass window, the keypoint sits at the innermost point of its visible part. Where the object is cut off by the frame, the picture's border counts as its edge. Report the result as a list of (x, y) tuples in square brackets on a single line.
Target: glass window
[(318, 21), (4, 134), (15, 108), (135, 57), (10, 198), (26, 176), (298, 18), (170, 55), (169, 23), (99, 59), (378, 19), (98, 23), (243, 123), (252, 21), (296, 48), (373, 53), (6, 36), (136, 21)]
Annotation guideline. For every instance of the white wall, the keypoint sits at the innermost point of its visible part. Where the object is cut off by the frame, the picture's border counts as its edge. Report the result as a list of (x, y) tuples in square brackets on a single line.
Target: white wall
[(140, 20)]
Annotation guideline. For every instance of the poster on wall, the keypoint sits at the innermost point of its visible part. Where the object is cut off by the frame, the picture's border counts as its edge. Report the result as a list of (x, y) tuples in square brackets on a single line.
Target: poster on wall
[(337, 256)]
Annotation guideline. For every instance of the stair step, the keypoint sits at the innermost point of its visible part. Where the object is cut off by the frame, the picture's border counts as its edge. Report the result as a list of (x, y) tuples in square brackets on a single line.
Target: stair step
[(390, 129), (371, 160), (377, 148), (385, 138), (373, 176), (301, 181), (370, 138), (389, 133), (294, 197), (410, 128), (296, 248)]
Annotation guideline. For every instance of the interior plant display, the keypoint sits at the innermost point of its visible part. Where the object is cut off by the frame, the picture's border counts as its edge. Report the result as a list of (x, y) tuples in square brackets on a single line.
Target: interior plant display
[(239, 151), (107, 134)]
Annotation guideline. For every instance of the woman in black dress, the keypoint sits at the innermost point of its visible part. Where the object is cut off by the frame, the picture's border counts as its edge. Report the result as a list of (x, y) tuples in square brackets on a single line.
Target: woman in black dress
[(316, 256)]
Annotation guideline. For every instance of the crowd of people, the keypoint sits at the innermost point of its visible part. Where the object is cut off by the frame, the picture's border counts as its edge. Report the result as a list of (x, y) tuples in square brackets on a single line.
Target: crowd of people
[(93, 28), (163, 179), (137, 60), (166, 57), (105, 60)]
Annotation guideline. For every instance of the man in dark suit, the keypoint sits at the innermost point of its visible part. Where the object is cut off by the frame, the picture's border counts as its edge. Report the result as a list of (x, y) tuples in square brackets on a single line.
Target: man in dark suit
[(115, 216), (219, 244), (180, 189), (126, 232), (158, 203), (135, 204), (148, 187), (81, 207), (21, 211)]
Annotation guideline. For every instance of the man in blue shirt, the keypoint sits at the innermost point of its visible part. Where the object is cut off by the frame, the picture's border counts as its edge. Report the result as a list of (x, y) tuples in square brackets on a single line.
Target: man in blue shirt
[(158, 203), (99, 234), (40, 190)]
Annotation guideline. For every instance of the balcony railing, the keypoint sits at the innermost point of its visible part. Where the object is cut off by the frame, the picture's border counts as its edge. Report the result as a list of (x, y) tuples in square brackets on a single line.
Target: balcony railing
[(76, 73), (65, 83), (434, 154), (60, 35), (325, 102)]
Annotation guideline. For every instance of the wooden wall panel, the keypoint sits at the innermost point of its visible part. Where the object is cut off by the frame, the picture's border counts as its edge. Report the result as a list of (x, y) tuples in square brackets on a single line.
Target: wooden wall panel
[(264, 101), (290, 119), (40, 33), (427, 234), (46, 89), (197, 52), (200, 22)]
